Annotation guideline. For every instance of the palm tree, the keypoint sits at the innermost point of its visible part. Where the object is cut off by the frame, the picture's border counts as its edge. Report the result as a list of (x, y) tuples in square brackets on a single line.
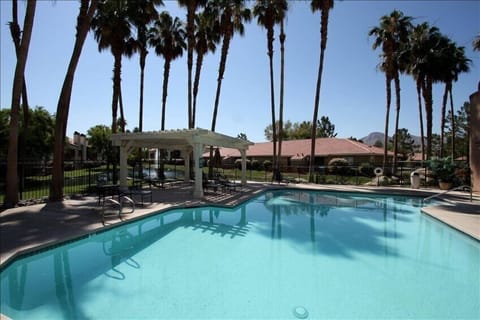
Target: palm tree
[(429, 57), (324, 6), (168, 39), (462, 65), (453, 63), (86, 11), (392, 34), (282, 84), (141, 14), (112, 30), (15, 32), (192, 6), (206, 38), (231, 15), (269, 13), (11, 196), (413, 55)]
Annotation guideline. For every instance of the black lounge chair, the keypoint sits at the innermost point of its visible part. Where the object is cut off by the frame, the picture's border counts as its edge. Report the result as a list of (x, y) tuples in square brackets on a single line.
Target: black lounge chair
[(138, 190)]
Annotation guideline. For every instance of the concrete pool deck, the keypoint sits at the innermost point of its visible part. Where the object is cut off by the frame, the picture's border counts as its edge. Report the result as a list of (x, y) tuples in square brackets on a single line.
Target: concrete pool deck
[(30, 228)]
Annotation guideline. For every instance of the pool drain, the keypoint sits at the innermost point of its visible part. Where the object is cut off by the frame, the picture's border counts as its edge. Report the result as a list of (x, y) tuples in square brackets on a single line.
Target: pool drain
[(300, 312)]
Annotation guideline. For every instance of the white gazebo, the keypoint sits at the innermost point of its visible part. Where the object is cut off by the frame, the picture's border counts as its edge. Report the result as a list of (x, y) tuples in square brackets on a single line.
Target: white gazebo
[(187, 141)]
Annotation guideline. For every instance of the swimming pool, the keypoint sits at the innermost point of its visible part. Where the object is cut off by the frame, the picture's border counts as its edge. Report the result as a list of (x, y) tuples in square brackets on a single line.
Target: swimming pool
[(286, 254)]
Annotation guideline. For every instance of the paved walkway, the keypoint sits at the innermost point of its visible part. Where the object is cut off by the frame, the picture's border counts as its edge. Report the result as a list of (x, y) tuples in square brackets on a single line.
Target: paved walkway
[(29, 228)]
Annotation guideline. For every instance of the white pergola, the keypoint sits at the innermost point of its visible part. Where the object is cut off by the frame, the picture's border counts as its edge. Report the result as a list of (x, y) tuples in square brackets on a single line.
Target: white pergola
[(187, 141)]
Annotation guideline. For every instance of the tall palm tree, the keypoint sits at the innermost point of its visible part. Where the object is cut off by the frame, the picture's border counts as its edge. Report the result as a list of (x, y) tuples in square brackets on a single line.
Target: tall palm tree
[(85, 14), (324, 6), (15, 32), (192, 6), (453, 63), (282, 84), (413, 55), (392, 35), (11, 196), (430, 67), (168, 39), (141, 14), (462, 65), (112, 30), (269, 13), (231, 15), (207, 36)]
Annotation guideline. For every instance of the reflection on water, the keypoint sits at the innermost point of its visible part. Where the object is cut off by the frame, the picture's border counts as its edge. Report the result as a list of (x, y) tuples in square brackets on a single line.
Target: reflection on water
[(57, 282)]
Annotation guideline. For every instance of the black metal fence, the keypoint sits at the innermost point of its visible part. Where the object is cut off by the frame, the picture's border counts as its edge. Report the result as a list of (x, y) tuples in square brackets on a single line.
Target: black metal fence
[(83, 177)]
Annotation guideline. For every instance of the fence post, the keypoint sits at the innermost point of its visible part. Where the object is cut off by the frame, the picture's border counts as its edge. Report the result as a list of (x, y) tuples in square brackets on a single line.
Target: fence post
[(89, 178)]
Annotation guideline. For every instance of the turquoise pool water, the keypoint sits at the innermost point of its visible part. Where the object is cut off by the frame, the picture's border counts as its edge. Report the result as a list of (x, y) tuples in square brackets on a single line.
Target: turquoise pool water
[(284, 255)]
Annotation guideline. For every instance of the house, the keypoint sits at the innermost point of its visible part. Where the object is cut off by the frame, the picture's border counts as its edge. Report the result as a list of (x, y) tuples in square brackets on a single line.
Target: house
[(76, 148), (297, 152)]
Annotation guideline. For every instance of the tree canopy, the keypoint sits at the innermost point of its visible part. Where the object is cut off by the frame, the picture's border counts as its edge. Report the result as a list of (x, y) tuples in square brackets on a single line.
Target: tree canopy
[(39, 136), (303, 130), (99, 139)]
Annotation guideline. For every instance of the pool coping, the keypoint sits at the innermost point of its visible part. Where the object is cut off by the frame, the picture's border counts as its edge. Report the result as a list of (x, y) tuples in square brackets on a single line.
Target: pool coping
[(456, 212)]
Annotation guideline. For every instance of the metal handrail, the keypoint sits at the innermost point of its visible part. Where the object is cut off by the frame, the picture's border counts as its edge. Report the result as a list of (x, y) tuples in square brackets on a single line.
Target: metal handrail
[(118, 203), (447, 191)]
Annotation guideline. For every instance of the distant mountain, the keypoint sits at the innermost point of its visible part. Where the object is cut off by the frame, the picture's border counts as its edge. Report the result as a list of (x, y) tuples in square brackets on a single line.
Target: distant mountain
[(373, 137)]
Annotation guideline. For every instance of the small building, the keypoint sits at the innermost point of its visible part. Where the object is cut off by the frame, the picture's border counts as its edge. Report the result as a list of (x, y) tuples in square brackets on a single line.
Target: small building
[(76, 148), (297, 152)]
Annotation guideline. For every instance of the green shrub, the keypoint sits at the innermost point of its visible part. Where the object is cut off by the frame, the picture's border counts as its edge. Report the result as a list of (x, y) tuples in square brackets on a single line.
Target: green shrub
[(256, 165), (267, 165), (338, 166), (238, 164), (366, 169)]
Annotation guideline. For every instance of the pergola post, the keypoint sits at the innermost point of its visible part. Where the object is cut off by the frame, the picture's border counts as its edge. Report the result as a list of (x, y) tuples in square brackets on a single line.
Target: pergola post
[(186, 158), (243, 153), (123, 166), (197, 158)]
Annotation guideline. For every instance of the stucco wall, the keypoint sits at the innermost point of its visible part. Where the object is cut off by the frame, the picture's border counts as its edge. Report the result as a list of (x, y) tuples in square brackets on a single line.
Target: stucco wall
[(475, 139)]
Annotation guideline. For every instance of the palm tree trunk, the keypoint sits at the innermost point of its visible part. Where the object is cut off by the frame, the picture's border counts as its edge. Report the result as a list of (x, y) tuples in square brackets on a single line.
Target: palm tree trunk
[(420, 113), (122, 114), (442, 119), (143, 56), (282, 76), (221, 71), (272, 100), (388, 86), (11, 196), (191, 44), (196, 83), (16, 37), (397, 116), (323, 46), (427, 97), (116, 89), (453, 120), (83, 24), (166, 72)]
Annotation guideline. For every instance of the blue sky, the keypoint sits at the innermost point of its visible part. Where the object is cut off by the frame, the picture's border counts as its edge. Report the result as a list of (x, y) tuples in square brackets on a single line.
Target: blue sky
[(353, 90)]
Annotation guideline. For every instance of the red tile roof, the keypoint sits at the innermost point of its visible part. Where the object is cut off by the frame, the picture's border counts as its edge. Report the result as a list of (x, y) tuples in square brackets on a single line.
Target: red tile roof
[(301, 148)]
